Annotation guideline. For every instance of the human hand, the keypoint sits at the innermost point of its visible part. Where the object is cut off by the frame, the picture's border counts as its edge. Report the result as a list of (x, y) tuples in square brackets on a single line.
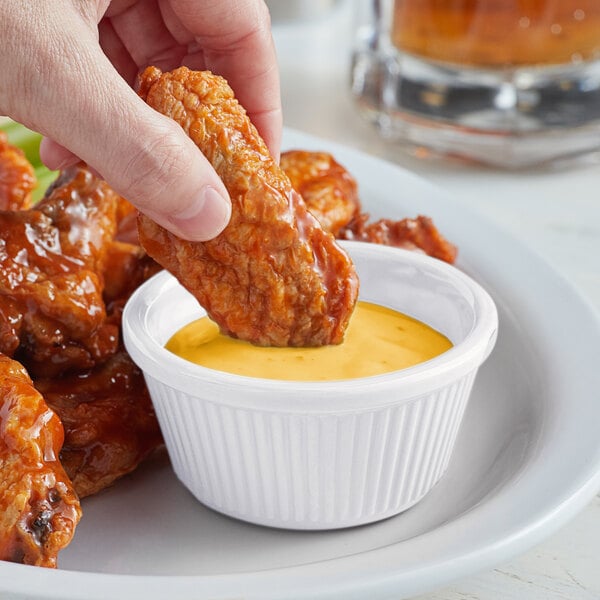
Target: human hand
[(67, 70)]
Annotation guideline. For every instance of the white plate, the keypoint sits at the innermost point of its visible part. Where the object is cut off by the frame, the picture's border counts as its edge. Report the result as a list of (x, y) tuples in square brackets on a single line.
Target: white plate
[(527, 458)]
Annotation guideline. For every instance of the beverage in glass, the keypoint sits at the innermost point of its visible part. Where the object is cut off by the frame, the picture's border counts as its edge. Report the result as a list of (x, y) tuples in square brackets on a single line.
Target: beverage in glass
[(506, 82)]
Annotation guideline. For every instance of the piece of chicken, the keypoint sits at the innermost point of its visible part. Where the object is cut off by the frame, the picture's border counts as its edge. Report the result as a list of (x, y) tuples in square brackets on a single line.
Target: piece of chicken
[(110, 424), (64, 280), (327, 188), (126, 267), (17, 179), (273, 276), (330, 193), (52, 314), (61, 269), (39, 509), (412, 234), (127, 230)]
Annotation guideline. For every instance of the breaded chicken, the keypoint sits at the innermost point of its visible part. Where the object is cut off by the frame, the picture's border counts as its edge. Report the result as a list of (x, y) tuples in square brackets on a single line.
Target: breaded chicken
[(39, 508), (273, 276)]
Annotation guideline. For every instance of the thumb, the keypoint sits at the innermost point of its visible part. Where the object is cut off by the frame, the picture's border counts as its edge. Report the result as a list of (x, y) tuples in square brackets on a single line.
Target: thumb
[(147, 158), (153, 164)]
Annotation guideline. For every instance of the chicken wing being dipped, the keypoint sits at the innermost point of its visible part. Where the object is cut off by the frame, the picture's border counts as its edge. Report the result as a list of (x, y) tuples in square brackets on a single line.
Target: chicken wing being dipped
[(273, 276), (39, 509), (17, 179)]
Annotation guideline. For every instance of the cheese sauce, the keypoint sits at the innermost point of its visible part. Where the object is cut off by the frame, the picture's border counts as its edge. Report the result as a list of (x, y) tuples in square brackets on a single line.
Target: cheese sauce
[(378, 340)]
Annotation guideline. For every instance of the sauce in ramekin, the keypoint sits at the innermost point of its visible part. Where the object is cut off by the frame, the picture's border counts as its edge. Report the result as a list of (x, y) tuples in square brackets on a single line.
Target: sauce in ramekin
[(378, 340)]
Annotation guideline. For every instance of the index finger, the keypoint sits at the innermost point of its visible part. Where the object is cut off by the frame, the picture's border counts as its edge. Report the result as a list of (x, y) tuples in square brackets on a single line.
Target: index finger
[(234, 40)]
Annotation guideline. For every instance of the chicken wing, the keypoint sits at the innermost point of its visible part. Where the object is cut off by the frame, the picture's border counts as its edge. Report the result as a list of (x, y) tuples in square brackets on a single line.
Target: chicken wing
[(126, 267), (64, 280), (327, 188), (273, 276), (330, 193), (17, 179), (109, 422), (412, 234), (52, 314), (39, 509)]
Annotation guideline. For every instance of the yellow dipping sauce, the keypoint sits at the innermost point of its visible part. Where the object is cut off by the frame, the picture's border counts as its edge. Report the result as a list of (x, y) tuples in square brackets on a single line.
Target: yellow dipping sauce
[(378, 340)]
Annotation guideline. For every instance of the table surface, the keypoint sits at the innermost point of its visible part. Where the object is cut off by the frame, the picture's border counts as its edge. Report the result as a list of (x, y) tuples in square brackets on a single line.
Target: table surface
[(556, 211)]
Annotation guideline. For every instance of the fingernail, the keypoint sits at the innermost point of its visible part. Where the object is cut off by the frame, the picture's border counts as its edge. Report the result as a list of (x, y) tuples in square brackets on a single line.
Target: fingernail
[(205, 218)]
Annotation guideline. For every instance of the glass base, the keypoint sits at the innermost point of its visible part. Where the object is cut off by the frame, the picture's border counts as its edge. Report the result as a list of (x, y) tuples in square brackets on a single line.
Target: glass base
[(508, 118)]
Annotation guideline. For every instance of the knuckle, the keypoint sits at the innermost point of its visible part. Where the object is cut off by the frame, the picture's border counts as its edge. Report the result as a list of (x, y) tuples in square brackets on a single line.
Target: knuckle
[(155, 169)]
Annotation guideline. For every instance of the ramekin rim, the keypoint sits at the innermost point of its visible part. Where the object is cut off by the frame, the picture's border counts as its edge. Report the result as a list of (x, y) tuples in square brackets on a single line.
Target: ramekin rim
[(158, 362)]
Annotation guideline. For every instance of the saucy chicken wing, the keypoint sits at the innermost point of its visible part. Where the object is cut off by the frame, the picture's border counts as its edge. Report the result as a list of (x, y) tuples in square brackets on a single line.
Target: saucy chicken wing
[(330, 193), (327, 188), (52, 313), (412, 234), (64, 280), (17, 179), (109, 422), (273, 276), (126, 267), (39, 509)]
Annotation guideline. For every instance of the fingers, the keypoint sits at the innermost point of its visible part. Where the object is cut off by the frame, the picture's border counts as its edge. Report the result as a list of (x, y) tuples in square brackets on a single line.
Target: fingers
[(152, 163), (90, 112), (55, 156), (117, 53), (67, 89), (167, 177), (143, 32), (205, 215), (236, 42), (230, 37)]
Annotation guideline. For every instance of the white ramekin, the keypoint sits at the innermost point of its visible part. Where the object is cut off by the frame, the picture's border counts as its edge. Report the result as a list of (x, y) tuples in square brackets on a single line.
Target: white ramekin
[(318, 455)]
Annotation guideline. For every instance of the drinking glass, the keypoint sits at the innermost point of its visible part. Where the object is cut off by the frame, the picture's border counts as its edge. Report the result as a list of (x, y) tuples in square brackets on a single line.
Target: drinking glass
[(510, 83)]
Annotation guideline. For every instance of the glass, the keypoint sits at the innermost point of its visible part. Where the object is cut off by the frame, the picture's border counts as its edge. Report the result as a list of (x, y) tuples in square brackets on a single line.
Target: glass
[(505, 82)]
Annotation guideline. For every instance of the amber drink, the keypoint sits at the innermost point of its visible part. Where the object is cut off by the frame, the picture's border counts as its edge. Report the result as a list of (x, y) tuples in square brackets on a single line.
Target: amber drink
[(506, 82)]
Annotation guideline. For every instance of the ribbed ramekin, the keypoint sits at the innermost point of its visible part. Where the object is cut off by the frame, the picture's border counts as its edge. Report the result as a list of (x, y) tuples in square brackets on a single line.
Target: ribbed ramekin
[(318, 455)]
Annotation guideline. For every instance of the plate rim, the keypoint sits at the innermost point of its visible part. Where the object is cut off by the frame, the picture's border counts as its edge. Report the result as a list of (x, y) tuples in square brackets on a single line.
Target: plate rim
[(354, 575)]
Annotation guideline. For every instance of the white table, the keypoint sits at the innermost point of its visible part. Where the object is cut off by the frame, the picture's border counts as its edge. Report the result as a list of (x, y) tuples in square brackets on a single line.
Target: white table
[(556, 211)]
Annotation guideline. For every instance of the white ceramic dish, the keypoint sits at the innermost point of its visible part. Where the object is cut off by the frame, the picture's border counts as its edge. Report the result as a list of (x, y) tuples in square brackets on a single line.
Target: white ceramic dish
[(526, 460), (318, 455)]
